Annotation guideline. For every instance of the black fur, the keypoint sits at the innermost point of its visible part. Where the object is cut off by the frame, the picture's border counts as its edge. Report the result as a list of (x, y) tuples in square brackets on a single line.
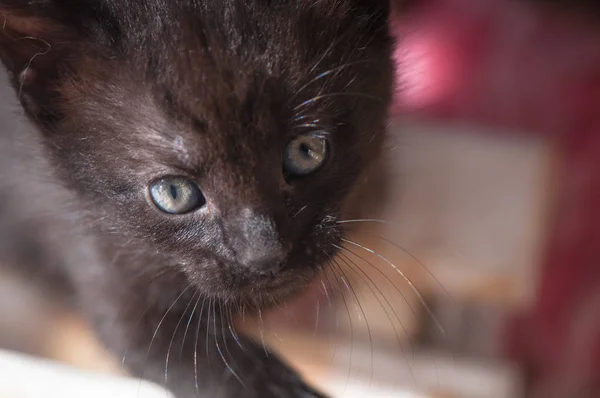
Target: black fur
[(124, 92)]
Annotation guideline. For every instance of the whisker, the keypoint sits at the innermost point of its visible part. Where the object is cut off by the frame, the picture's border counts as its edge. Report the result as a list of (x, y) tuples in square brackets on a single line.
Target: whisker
[(121, 311), (316, 117), (337, 319), (326, 292), (350, 288), (232, 330), (219, 347), (188, 325), (164, 317), (244, 312), (306, 126), (370, 282), (351, 330), (289, 314), (317, 315), (327, 73), (225, 338), (123, 360), (174, 335), (196, 348), (408, 281), (262, 333), (207, 347), (365, 220), (384, 275), (413, 257), (157, 329), (325, 54), (340, 94), (237, 338)]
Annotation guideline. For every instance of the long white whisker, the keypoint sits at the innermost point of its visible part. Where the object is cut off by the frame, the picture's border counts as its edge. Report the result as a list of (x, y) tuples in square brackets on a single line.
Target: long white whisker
[(231, 328), (349, 286), (408, 281), (340, 94), (227, 365), (189, 322), (327, 73), (164, 317), (365, 220), (370, 282), (382, 274), (207, 346), (196, 347), (351, 330), (157, 329), (174, 335), (262, 331), (337, 319), (317, 315), (413, 257)]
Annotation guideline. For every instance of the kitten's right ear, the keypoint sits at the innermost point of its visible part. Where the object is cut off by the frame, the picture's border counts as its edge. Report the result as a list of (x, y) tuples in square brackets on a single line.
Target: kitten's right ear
[(35, 47), (30, 37)]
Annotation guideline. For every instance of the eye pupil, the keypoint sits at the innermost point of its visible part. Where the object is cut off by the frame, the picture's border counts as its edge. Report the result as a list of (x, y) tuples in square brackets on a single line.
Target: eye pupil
[(174, 194), (305, 155), (305, 148)]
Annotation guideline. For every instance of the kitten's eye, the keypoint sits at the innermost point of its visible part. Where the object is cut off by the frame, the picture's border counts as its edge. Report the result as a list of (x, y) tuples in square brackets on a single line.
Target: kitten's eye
[(176, 195), (304, 155)]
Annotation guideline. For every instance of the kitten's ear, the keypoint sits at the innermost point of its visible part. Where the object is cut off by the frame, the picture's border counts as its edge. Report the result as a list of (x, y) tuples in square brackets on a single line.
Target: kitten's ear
[(30, 37), (35, 47)]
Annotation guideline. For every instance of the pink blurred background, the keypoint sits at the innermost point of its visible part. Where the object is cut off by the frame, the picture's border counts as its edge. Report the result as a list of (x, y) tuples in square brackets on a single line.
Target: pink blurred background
[(536, 71)]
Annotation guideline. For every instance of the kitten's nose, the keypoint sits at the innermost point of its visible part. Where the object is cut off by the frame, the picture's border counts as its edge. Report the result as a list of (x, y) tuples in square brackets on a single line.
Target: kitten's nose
[(268, 259), (259, 247)]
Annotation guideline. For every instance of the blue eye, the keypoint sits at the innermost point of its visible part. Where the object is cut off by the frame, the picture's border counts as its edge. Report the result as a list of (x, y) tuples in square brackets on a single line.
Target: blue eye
[(305, 155), (176, 195)]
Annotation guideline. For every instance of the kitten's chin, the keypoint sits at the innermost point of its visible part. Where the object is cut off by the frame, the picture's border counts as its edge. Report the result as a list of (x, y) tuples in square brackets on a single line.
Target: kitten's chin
[(273, 298), (271, 292), (259, 291)]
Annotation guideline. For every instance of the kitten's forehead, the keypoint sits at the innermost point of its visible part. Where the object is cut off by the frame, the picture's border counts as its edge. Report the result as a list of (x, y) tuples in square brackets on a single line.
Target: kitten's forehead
[(233, 45), (219, 82)]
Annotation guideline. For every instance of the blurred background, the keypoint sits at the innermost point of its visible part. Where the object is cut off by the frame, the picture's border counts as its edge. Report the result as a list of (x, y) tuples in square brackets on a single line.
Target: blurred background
[(484, 279)]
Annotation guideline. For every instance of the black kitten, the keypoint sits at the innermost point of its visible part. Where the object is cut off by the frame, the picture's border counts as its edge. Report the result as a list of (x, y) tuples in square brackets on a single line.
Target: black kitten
[(191, 157)]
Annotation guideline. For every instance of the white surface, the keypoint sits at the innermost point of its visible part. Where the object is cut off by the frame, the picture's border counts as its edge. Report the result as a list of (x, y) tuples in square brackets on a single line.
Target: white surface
[(353, 389), (26, 377)]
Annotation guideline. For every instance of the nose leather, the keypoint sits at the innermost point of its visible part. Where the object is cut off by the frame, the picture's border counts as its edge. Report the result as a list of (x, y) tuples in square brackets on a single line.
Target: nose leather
[(259, 246)]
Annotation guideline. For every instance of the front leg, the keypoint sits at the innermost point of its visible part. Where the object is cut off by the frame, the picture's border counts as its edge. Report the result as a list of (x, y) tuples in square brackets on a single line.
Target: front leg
[(194, 351)]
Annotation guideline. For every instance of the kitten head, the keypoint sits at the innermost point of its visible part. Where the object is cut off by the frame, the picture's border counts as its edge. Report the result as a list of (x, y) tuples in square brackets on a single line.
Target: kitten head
[(221, 137)]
